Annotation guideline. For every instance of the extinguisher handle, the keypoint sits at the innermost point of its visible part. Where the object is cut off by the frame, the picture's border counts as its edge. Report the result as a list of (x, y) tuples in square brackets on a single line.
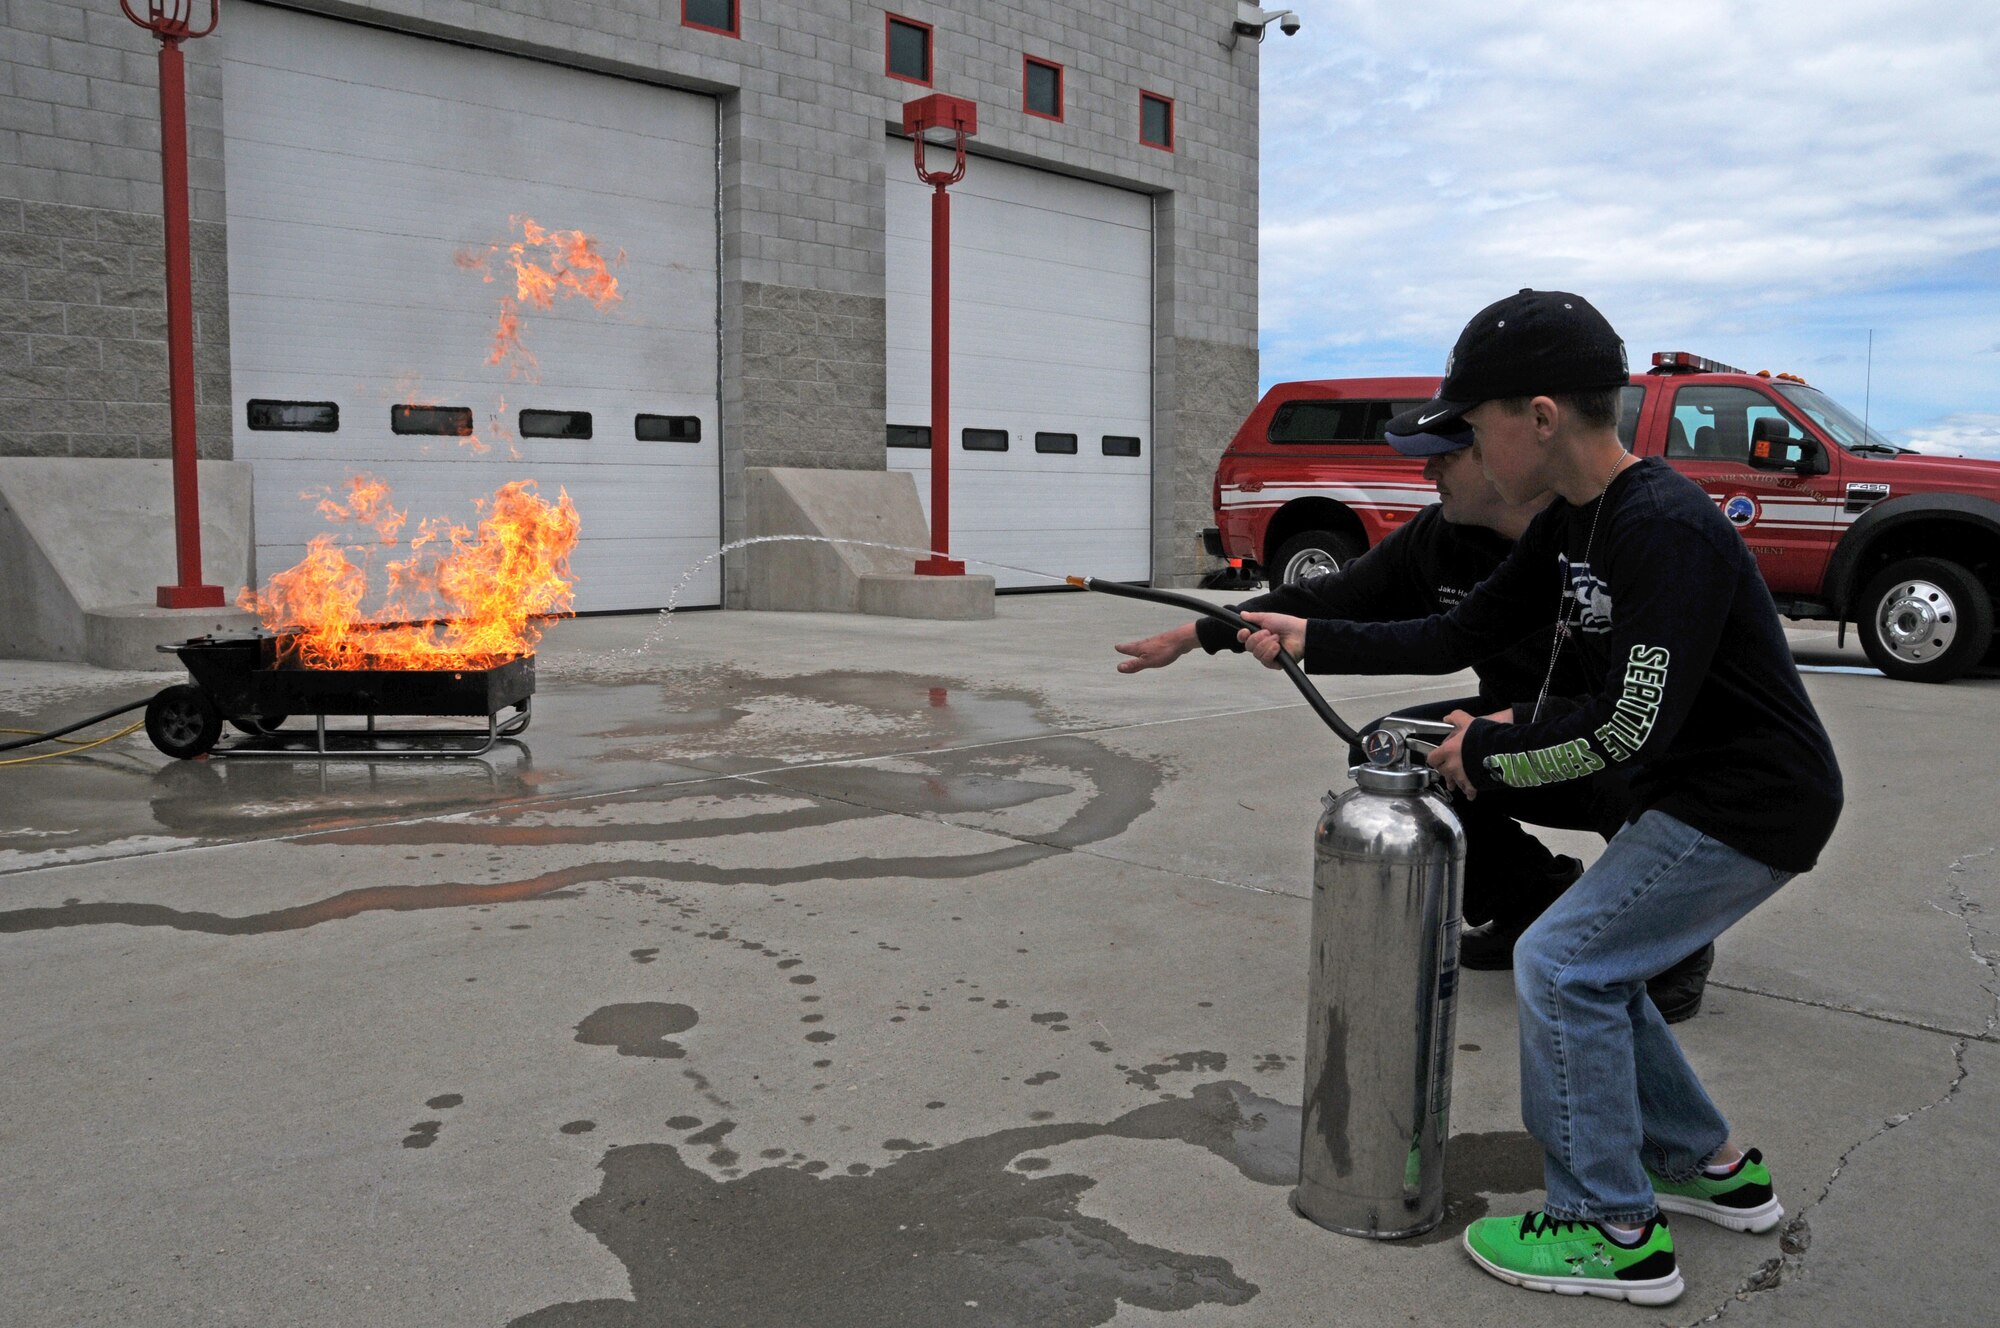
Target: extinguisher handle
[(1234, 619)]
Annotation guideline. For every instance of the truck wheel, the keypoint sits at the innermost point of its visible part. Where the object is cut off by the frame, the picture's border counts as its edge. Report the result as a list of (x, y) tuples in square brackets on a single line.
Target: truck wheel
[(1925, 620), (1311, 553), (182, 721)]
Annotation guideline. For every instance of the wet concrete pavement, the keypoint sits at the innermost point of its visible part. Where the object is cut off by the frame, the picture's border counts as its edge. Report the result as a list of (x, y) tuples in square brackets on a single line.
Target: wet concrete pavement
[(813, 969)]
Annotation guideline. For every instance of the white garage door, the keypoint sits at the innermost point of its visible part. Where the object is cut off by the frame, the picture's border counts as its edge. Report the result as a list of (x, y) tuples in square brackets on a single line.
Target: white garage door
[(1051, 332), (363, 166)]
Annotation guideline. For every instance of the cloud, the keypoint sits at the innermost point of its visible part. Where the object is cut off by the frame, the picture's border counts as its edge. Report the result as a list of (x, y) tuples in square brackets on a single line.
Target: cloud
[(1733, 179), (1971, 435)]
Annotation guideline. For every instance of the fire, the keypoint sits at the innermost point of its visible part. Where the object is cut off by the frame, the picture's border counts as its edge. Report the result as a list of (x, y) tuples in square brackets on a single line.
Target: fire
[(574, 267), (459, 598), (367, 504)]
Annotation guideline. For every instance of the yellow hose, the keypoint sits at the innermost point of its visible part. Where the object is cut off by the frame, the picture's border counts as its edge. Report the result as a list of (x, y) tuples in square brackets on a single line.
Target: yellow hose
[(75, 745)]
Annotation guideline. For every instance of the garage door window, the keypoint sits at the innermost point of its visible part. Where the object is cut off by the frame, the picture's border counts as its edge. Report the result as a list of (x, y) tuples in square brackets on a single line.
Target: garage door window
[(1125, 446), (293, 416), (984, 440), (910, 435), (667, 428), (431, 421), (1061, 443), (909, 53), (710, 16), (573, 424)]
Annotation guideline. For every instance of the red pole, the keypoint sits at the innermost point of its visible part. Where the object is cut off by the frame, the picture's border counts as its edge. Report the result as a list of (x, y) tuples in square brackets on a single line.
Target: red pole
[(189, 592), (938, 564)]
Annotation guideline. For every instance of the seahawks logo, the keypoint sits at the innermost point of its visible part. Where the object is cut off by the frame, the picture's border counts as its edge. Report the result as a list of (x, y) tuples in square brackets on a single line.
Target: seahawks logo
[(1592, 595)]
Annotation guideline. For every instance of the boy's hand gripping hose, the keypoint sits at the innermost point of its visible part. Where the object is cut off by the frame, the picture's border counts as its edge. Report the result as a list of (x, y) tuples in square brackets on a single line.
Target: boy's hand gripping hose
[(1234, 619)]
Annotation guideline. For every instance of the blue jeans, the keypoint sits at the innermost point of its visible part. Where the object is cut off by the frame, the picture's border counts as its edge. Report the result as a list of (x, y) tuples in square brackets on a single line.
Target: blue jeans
[(1604, 1086)]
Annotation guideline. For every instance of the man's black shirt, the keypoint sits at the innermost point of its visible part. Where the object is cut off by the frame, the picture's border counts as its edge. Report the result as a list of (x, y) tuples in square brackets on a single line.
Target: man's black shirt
[(1425, 566)]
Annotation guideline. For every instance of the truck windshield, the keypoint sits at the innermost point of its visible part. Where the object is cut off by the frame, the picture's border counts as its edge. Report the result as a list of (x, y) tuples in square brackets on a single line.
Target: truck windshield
[(1836, 419)]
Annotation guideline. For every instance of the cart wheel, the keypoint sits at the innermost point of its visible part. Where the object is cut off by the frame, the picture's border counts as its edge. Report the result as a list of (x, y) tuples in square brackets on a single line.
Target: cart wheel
[(258, 726), (182, 721)]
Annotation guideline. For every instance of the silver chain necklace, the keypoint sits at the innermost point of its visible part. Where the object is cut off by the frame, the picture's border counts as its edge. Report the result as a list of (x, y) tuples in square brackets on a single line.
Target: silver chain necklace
[(1568, 596)]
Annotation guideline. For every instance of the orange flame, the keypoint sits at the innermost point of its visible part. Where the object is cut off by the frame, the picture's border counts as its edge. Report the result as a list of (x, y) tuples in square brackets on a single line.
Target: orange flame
[(459, 599), (574, 267), (367, 504)]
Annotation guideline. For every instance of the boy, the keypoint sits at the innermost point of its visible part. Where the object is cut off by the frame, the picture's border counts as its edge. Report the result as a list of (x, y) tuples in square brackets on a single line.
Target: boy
[(1425, 566), (1734, 785)]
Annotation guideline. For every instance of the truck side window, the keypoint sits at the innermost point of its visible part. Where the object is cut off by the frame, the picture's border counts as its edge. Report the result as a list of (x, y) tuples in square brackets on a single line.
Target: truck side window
[(1713, 423), (1323, 422), (1630, 399), (1379, 415)]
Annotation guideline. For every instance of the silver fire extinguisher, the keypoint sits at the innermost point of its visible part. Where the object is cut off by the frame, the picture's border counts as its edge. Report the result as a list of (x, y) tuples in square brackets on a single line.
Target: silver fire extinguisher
[(1382, 999)]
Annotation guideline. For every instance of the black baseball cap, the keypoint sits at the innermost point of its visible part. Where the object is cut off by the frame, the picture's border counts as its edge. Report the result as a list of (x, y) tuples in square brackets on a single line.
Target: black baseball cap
[(1451, 436), (1535, 343)]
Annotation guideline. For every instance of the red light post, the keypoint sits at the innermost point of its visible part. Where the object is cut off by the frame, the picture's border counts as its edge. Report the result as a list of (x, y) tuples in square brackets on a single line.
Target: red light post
[(170, 21), (961, 118)]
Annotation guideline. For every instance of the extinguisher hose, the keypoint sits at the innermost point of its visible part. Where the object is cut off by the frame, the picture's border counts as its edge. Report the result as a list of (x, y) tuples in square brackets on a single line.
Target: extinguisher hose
[(1234, 619)]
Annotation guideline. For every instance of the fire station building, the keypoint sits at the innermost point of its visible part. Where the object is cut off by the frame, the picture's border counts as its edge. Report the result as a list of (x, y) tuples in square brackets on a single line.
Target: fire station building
[(361, 170)]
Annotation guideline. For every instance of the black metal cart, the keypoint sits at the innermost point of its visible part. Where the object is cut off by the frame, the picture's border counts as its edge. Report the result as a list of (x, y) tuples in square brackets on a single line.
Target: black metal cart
[(255, 683)]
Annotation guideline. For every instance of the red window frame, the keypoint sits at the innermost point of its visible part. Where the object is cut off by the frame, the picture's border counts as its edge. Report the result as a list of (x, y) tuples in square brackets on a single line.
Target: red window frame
[(1166, 101), (735, 16), (1027, 62), (889, 22)]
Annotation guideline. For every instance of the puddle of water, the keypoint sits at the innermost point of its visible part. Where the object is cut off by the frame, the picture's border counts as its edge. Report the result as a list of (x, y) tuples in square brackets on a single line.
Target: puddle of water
[(946, 1236), (641, 1028)]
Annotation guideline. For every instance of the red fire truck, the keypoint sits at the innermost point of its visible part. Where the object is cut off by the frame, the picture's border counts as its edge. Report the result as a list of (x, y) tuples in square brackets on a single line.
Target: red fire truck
[(1845, 527)]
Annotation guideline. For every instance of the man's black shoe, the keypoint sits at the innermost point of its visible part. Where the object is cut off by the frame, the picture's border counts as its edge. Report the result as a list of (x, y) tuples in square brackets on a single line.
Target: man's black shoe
[(1490, 945), (1677, 991)]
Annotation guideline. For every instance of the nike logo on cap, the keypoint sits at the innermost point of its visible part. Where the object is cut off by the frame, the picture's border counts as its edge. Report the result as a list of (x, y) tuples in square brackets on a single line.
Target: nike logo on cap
[(1438, 415)]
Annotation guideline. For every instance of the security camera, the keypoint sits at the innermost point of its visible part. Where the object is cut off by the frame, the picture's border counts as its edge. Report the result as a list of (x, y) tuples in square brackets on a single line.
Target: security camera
[(1251, 21)]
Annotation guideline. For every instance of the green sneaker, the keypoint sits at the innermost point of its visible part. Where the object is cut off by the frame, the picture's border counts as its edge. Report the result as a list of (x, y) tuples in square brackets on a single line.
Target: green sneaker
[(1742, 1201), (1543, 1253)]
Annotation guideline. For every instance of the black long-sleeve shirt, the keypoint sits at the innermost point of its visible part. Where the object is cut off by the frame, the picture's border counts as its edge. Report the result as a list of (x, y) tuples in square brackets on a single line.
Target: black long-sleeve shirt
[(1693, 686), (1427, 565)]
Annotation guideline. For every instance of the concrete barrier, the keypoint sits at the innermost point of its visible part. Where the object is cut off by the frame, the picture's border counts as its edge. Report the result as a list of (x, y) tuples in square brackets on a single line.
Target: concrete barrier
[(878, 506), (85, 544)]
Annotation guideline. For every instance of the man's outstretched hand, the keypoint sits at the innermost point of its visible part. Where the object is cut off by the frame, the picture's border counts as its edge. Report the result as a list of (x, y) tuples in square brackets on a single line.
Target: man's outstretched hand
[(1156, 652)]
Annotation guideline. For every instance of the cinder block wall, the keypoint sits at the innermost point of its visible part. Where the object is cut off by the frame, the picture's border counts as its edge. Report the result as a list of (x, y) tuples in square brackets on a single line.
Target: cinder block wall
[(83, 306), (804, 108)]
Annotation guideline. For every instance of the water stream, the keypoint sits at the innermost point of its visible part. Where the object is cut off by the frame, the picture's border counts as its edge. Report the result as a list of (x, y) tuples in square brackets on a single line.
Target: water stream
[(660, 627)]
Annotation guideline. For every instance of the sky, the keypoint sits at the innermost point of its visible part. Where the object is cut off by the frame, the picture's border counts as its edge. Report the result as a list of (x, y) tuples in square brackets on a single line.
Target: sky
[(1767, 183)]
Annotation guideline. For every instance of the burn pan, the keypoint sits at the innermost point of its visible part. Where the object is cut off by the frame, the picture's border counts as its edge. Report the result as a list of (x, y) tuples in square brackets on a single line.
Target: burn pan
[(254, 682)]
